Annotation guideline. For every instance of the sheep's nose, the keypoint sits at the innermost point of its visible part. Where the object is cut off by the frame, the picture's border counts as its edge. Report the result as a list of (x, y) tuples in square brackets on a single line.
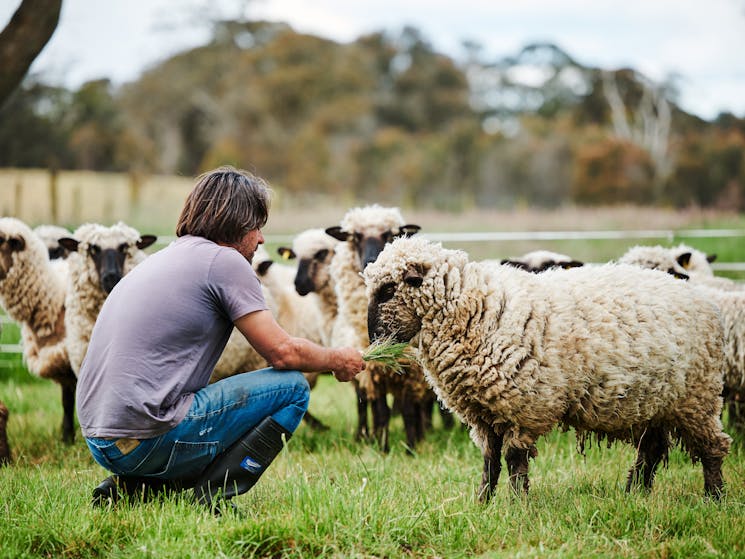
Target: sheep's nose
[(111, 270), (109, 280)]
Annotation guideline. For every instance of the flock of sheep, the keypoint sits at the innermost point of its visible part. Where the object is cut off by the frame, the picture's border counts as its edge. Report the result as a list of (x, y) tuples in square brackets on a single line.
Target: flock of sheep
[(644, 349)]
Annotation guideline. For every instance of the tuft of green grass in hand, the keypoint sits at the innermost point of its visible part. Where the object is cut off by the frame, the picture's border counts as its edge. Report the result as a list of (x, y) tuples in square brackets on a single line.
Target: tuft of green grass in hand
[(389, 354)]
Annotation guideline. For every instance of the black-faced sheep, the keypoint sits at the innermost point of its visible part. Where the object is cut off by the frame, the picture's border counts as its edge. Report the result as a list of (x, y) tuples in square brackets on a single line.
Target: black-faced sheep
[(682, 261), (615, 351), (686, 263), (99, 257), (51, 234), (539, 261), (314, 249), (32, 292), (364, 231)]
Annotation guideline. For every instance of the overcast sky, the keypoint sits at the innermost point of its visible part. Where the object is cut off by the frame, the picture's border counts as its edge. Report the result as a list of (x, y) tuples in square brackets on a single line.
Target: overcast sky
[(702, 41)]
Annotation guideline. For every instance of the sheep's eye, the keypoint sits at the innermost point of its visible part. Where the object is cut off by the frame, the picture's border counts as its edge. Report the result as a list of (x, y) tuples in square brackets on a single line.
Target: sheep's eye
[(94, 250), (386, 292), (123, 248), (321, 255), (15, 244), (358, 237), (387, 237)]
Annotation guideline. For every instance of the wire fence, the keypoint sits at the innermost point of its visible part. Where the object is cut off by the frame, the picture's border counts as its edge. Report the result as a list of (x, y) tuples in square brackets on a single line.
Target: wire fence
[(505, 236)]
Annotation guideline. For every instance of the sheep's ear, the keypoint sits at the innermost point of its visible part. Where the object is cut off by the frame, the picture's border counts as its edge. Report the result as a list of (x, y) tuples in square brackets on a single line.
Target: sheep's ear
[(677, 275), (146, 240), (572, 264), (263, 267), (337, 233), (408, 230), (16, 244), (286, 253), (414, 275), (515, 264), (69, 243), (710, 258), (684, 259)]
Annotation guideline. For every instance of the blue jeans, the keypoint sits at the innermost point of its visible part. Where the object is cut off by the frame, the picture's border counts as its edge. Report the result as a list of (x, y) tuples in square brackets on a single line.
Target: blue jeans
[(220, 414)]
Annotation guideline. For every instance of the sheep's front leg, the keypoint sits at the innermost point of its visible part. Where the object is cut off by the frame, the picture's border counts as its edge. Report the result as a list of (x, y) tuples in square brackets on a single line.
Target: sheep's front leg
[(68, 410), (411, 412), (381, 418), (492, 453), (517, 466), (363, 432)]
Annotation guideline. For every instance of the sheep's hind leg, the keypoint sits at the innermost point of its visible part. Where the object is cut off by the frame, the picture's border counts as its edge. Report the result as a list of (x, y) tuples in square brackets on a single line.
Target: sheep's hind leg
[(5, 457), (492, 465), (517, 466), (705, 439), (652, 448)]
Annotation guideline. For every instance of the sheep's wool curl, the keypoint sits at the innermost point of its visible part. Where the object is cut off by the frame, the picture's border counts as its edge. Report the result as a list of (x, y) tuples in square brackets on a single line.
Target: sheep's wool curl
[(372, 220), (310, 241), (606, 350)]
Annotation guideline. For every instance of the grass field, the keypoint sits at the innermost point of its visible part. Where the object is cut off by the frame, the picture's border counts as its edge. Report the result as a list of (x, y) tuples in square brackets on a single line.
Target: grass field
[(329, 496)]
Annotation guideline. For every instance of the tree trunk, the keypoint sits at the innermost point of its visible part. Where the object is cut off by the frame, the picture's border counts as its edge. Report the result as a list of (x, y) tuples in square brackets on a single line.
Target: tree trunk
[(23, 38)]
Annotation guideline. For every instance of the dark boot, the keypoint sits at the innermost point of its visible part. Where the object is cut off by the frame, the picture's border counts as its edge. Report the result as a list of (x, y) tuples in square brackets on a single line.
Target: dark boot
[(134, 488), (236, 470)]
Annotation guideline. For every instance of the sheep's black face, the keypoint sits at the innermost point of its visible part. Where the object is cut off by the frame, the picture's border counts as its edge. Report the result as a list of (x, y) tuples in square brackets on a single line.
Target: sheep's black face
[(9, 245), (312, 273), (389, 316), (109, 264)]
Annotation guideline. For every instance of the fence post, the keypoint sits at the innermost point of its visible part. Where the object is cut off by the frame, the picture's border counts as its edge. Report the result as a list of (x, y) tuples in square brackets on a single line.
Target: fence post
[(53, 184)]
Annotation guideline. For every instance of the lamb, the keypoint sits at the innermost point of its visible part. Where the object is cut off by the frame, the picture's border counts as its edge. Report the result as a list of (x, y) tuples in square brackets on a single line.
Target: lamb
[(600, 349), (541, 260), (51, 234), (99, 257), (32, 292), (364, 231)]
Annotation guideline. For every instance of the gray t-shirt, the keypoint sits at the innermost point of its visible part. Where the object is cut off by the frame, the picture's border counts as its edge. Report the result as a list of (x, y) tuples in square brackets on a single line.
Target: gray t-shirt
[(158, 337)]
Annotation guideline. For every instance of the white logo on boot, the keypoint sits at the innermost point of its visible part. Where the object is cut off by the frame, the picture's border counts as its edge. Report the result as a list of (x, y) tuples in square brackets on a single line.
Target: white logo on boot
[(251, 465)]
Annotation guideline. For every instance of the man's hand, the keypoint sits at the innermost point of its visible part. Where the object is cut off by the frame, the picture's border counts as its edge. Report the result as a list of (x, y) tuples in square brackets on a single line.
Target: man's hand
[(348, 363)]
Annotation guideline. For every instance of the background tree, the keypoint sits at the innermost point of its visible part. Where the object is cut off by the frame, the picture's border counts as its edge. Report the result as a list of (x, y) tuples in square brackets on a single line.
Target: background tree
[(26, 34)]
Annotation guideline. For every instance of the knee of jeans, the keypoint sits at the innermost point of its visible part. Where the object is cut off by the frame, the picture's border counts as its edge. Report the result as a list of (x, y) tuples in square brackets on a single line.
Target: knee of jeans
[(302, 388)]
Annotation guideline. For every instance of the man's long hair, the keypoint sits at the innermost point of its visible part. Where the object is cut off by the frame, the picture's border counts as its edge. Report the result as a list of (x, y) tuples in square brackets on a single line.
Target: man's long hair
[(224, 205)]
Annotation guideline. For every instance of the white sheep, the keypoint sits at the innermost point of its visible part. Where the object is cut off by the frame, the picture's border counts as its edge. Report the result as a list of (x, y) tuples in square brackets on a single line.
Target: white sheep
[(682, 261), (541, 260), (364, 231), (693, 260), (615, 351), (32, 292), (51, 234), (99, 257), (731, 304)]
